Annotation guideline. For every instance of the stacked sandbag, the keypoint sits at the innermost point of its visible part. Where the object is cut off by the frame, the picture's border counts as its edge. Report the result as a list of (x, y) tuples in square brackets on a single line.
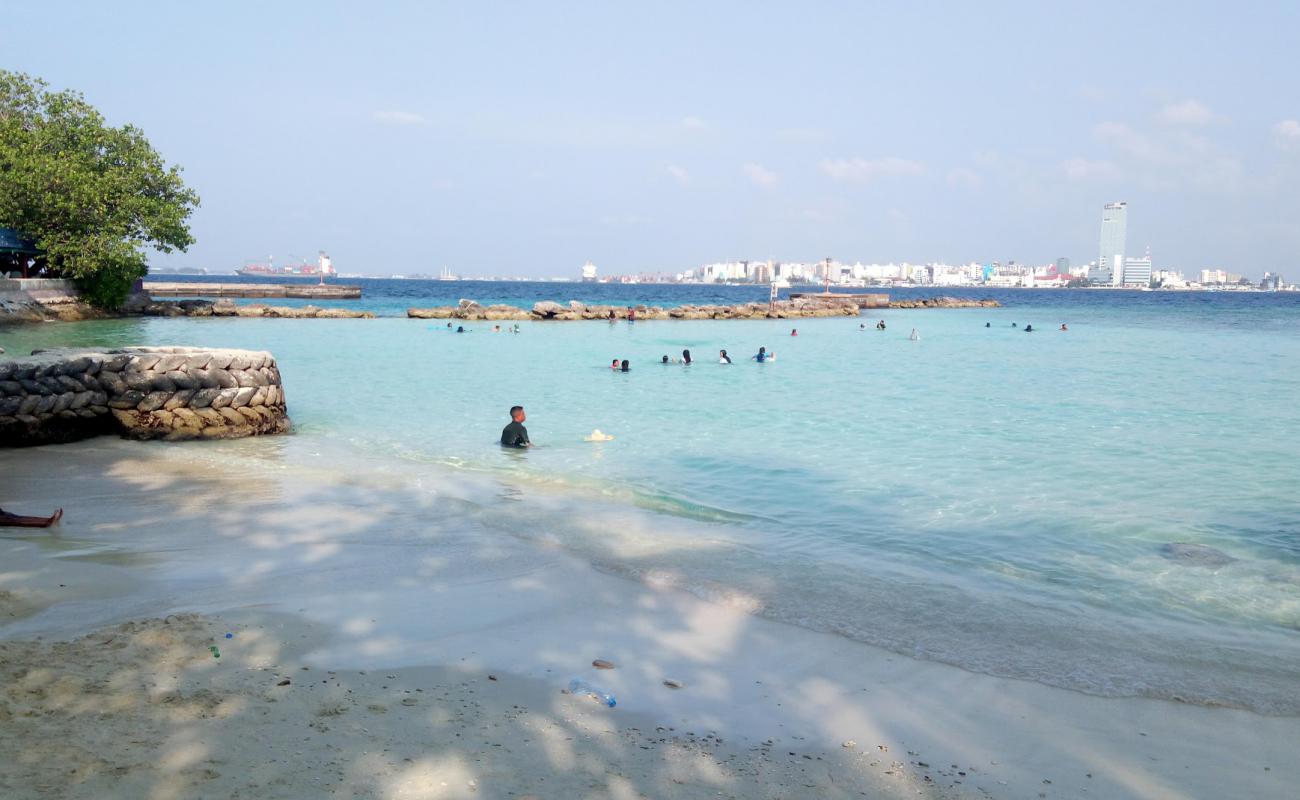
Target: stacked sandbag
[(141, 393)]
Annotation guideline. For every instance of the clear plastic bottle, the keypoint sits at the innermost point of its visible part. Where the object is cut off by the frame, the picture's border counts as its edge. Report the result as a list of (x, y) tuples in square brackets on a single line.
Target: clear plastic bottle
[(579, 686)]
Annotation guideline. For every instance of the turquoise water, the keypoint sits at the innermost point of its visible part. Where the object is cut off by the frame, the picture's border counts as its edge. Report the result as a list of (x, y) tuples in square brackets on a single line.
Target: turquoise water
[(983, 497)]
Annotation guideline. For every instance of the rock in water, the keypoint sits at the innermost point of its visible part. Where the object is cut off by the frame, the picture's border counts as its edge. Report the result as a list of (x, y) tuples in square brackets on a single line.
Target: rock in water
[(1195, 555)]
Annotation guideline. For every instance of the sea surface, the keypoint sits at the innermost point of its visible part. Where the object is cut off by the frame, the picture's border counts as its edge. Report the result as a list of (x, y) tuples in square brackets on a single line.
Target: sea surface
[(1003, 501)]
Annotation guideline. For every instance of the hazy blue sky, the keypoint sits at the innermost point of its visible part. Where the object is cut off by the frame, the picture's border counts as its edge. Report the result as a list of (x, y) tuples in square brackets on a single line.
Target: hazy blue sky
[(527, 138)]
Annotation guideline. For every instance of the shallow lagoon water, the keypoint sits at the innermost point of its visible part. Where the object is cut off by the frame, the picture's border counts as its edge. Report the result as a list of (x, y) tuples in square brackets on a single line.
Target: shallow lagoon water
[(985, 497)]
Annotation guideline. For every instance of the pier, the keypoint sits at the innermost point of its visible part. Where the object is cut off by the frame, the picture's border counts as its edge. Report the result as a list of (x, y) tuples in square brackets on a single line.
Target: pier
[(309, 291)]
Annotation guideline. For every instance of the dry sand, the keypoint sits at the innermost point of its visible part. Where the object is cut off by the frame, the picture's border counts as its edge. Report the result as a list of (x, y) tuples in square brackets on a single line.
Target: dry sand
[(146, 710)]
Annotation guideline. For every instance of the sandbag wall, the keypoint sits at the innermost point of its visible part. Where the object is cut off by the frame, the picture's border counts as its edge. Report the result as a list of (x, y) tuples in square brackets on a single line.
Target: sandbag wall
[(140, 393)]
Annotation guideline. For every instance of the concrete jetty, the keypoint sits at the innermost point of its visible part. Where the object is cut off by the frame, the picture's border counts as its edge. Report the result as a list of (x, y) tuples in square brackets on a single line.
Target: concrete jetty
[(311, 291)]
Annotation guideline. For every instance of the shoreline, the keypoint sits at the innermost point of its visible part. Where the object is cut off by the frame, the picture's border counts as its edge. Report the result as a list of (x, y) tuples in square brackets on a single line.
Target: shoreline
[(471, 600)]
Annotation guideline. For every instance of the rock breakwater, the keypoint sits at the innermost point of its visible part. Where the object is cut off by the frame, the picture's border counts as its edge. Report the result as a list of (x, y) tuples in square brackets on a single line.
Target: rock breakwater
[(141, 393), (226, 308), (806, 306)]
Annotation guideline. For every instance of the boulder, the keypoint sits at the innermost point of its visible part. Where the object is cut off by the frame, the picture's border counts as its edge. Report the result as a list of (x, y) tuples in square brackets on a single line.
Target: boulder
[(547, 309)]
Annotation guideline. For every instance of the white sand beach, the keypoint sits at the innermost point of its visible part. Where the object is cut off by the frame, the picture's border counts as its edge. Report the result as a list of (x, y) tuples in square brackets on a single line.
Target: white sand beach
[(426, 654)]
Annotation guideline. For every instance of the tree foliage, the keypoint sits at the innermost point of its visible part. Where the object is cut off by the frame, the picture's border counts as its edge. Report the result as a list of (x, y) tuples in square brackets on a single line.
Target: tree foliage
[(92, 196)]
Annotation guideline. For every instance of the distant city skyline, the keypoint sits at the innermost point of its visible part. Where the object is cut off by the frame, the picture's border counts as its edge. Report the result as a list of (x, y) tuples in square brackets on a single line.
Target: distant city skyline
[(407, 137)]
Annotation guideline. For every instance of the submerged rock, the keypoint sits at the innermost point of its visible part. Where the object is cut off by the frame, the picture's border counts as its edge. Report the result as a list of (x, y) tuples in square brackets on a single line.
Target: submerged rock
[(1195, 555)]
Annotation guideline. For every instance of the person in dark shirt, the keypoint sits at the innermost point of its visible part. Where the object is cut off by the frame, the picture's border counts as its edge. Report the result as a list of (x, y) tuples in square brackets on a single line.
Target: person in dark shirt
[(515, 434), (626, 366), (686, 357)]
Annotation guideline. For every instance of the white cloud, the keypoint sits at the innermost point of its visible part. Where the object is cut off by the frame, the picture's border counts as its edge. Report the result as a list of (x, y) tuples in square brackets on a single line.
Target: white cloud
[(860, 170), (1188, 112), (963, 177), (758, 174), (1287, 133), (398, 118), (1164, 159), (694, 124), (1082, 169), (679, 173), (1129, 141)]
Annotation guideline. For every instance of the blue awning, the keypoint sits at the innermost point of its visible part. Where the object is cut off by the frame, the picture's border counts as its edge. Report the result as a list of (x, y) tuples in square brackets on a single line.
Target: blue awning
[(11, 241)]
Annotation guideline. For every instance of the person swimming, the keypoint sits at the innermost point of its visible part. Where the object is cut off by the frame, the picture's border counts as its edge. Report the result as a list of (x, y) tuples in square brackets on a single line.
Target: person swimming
[(460, 329), (613, 364), (723, 358), (862, 326), (988, 324), (794, 331), (763, 355), (914, 336), (665, 361), (516, 328), (686, 357), (1029, 329), (880, 326), (515, 434), (1063, 327), (626, 367), (1014, 325)]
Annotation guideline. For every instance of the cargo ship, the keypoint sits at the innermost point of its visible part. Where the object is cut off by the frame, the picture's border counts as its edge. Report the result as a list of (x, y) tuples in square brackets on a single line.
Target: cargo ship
[(322, 268)]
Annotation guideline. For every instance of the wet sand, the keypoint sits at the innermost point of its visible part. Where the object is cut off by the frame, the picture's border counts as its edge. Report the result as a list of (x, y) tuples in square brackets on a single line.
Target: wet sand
[(402, 605)]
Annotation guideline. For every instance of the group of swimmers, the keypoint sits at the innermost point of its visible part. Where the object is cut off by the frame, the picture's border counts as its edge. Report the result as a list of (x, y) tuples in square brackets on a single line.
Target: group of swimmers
[(495, 329), (762, 356), (1030, 328)]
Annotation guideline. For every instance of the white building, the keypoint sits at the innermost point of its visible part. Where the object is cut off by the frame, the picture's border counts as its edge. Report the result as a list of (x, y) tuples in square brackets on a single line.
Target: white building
[(589, 272), (1137, 272)]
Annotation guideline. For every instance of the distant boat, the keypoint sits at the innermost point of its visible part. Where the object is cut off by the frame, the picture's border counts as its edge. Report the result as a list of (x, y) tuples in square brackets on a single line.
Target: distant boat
[(445, 275), (323, 267)]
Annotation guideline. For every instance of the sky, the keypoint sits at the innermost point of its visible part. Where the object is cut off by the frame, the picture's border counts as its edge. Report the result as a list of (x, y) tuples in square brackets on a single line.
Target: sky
[(525, 139)]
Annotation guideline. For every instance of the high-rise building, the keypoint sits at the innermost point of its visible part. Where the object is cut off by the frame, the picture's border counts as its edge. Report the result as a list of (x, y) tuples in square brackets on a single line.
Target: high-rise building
[(1062, 266), (1114, 238)]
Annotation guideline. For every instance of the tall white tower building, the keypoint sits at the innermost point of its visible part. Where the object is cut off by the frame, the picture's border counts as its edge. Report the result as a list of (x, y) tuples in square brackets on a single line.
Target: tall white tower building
[(1114, 238)]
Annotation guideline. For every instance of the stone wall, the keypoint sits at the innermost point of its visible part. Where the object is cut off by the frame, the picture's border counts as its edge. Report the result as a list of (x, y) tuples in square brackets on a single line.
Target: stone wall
[(140, 393)]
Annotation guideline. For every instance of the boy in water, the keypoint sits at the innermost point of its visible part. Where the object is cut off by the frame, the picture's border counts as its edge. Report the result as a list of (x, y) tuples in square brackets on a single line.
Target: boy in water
[(515, 434)]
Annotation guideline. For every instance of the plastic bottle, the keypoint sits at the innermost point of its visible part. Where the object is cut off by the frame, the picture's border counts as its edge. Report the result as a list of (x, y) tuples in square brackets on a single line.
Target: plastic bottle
[(579, 686)]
